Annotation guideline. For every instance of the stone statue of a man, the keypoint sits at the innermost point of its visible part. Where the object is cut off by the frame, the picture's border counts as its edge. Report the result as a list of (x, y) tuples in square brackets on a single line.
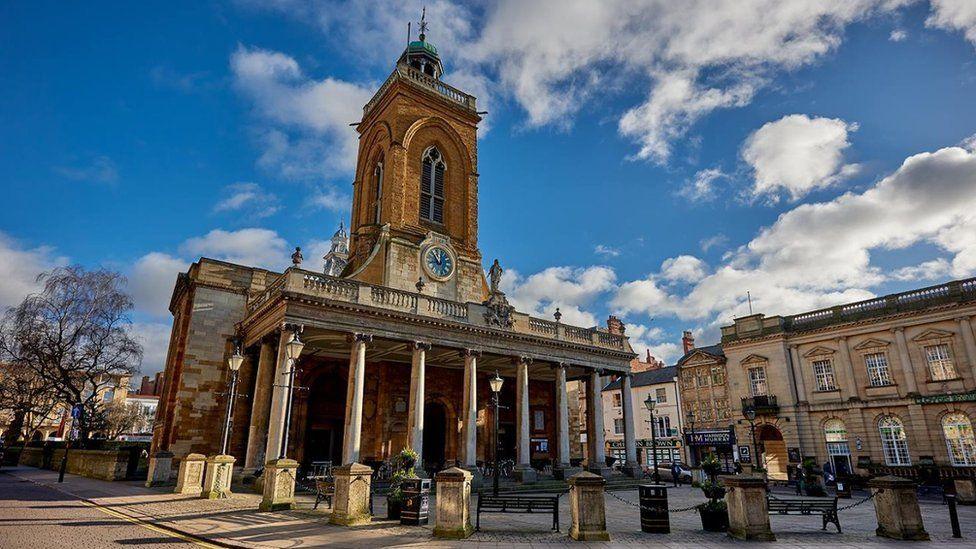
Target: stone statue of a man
[(495, 276)]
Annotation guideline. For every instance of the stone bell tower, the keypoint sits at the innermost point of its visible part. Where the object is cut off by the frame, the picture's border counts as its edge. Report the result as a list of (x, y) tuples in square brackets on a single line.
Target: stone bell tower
[(415, 196)]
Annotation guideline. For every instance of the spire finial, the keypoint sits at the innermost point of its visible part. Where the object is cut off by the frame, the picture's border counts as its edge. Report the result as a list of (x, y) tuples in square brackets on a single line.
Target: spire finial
[(423, 24)]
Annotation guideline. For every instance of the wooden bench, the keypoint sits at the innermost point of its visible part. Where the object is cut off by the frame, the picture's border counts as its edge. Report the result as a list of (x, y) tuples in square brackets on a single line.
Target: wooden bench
[(827, 507), (506, 503)]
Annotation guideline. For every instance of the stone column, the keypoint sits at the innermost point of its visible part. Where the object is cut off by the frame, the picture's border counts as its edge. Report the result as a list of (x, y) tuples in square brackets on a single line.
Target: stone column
[(631, 466), (264, 381), (415, 418), (588, 507), (594, 426), (279, 399), (469, 411), (216, 481), (354, 398), (523, 471), (896, 506), (278, 491), (160, 469), (969, 342), (845, 358), (190, 478), (748, 508), (801, 386), (911, 384), (352, 494), (562, 470), (453, 514)]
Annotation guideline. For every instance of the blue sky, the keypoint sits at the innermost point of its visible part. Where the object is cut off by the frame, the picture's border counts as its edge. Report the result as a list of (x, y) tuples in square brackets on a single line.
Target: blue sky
[(651, 159)]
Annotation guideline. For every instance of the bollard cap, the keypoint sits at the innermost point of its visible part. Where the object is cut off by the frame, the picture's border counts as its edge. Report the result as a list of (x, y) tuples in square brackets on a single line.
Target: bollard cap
[(453, 474), (891, 481), (586, 478)]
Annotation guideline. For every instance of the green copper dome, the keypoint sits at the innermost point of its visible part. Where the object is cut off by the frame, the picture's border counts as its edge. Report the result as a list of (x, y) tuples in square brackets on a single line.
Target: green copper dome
[(422, 46)]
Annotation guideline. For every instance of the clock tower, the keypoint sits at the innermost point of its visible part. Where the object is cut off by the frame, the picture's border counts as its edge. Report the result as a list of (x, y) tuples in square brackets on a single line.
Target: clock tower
[(415, 196)]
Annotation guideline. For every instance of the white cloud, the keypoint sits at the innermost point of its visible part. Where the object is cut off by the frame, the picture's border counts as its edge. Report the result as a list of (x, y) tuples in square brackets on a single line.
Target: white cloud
[(644, 339), (251, 247), (798, 154), (606, 251), (958, 15), (570, 289), (898, 35), (684, 268), (247, 197), (715, 241), (928, 270), (327, 197), (152, 280), (702, 187), (308, 119), (154, 338), (100, 169), (19, 267)]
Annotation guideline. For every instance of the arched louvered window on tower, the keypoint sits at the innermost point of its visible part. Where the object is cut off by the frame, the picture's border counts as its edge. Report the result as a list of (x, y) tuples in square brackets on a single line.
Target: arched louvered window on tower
[(378, 196), (432, 186)]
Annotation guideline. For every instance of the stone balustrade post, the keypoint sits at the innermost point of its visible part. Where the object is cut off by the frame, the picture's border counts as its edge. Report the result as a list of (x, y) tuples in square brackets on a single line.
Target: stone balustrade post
[(350, 505), (588, 507), (216, 480), (160, 469), (748, 508), (190, 477), (896, 506), (278, 490), (453, 513)]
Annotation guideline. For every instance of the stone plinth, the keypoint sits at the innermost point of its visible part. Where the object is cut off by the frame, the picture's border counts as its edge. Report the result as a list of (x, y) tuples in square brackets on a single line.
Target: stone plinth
[(279, 485), (588, 507), (453, 513), (217, 479), (190, 477), (350, 505), (600, 470), (748, 509), (160, 469), (526, 474), (896, 505), (965, 491), (564, 471)]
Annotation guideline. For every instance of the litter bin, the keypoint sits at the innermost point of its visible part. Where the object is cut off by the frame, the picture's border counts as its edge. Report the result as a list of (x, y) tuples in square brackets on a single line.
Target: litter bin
[(843, 487), (654, 508), (416, 501)]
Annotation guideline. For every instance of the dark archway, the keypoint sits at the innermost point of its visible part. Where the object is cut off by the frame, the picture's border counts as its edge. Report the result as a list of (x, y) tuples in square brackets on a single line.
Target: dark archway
[(326, 416), (435, 436)]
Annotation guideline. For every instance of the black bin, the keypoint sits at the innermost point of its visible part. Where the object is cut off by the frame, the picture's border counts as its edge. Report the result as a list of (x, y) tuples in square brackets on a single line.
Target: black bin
[(843, 487), (416, 501), (654, 508)]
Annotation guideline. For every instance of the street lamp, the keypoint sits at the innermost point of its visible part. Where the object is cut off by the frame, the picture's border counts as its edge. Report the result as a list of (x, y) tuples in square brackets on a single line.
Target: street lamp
[(749, 413), (649, 404), (690, 418), (495, 384), (234, 363), (293, 350)]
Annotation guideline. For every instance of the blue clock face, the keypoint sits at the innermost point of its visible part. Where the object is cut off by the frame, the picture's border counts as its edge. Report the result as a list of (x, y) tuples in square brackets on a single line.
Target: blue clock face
[(438, 262)]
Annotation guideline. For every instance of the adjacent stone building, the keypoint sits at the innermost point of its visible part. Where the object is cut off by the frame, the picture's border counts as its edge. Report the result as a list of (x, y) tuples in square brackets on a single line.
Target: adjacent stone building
[(398, 348), (887, 382), (659, 383), (704, 395)]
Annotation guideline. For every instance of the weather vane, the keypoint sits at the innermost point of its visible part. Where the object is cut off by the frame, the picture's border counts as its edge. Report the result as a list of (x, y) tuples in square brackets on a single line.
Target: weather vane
[(423, 23)]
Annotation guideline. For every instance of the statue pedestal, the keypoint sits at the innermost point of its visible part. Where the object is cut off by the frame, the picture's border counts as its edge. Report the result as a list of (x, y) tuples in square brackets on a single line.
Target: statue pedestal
[(588, 508), (279, 485), (217, 480), (748, 508), (190, 477), (896, 506), (453, 520), (350, 505)]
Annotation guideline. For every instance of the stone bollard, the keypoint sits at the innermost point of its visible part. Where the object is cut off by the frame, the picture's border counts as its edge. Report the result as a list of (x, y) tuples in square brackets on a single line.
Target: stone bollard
[(896, 505), (160, 469), (453, 513), (350, 506), (216, 481), (279, 485), (588, 507), (965, 490), (747, 506), (190, 478)]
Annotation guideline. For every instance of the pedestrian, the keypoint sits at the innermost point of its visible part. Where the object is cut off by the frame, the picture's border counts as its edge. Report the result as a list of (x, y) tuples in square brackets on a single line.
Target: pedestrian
[(738, 468), (676, 473)]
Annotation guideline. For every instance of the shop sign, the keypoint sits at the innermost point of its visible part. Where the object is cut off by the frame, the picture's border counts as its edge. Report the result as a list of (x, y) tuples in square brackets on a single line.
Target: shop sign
[(943, 399), (724, 437), (745, 454), (648, 443)]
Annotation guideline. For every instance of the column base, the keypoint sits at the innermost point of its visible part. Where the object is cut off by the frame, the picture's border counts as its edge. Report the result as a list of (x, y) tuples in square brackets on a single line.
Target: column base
[(633, 470), (563, 472), (603, 471), (279, 485), (350, 505), (525, 474), (160, 469)]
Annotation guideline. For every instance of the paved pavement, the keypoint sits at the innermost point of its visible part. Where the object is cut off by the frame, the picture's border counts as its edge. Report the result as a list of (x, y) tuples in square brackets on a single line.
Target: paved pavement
[(235, 521)]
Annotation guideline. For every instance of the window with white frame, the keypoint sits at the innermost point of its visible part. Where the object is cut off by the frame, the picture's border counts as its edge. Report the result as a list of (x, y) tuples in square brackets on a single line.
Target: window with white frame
[(620, 454), (958, 433), (617, 400), (894, 443), (823, 371), (878, 373), (662, 427), (618, 426), (432, 186), (835, 433), (661, 395), (757, 381), (940, 362)]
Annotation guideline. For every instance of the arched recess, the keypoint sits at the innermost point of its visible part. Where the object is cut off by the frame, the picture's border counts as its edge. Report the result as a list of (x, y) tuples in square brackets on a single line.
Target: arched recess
[(772, 450)]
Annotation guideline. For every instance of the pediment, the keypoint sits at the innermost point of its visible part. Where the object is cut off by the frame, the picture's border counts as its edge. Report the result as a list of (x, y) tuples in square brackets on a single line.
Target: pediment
[(933, 333), (753, 358), (819, 350), (700, 357), (871, 343)]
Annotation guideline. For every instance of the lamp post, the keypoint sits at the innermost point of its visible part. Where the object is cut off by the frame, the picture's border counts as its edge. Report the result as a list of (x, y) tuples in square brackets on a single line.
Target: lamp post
[(690, 418), (495, 384), (649, 403), (234, 363), (749, 413), (293, 349)]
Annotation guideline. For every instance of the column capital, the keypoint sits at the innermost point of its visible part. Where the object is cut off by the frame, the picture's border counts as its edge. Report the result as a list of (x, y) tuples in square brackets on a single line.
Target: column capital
[(793, 346), (292, 327), (359, 338), (421, 346), (898, 329), (963, 318), (559, 365), (527, 360), (840, 339), (465, 353)]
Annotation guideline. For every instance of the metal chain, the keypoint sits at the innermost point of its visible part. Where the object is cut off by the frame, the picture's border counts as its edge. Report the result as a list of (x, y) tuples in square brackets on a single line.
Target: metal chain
[(853, 505), (674, 510)]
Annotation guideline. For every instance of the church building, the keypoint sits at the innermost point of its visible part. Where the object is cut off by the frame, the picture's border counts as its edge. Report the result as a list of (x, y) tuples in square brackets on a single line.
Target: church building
[(401, 332)]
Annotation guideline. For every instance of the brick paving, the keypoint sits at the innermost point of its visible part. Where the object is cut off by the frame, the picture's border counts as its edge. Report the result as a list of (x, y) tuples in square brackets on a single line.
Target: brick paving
[(235, 521)]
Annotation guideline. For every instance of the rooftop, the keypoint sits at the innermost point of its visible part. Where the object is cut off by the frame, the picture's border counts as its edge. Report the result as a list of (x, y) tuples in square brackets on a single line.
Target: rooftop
[(647, 377)]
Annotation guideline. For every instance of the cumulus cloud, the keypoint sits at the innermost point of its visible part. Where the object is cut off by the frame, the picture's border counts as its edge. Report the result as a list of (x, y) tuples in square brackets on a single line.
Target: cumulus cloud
[(701, 188), (19, 267), (684, 268), (328, 197), (570, 289), (152, 280), (252, 247), (956, 15), (249, 198), (714, 241), (154, 338), (798, 154)]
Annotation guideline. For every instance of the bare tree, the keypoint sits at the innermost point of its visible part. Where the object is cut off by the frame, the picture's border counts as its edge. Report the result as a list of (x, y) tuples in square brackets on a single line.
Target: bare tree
[(120, 418), (74, 336), (28, 401)]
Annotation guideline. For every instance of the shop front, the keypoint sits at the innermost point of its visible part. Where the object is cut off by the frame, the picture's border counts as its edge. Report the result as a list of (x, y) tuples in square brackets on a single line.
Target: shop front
[(718, 442)]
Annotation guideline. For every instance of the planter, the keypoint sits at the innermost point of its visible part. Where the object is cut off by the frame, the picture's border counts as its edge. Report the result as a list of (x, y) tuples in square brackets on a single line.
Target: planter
[(393, 509), (714, 520), (714, 493)]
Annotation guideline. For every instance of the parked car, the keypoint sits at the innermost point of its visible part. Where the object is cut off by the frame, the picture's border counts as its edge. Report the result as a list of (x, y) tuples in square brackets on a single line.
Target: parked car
[(664, 471)]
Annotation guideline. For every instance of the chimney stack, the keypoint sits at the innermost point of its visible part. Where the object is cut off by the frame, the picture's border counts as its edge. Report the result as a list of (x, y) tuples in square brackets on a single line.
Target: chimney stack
[(144, 387), (615, 326), (688, 341)]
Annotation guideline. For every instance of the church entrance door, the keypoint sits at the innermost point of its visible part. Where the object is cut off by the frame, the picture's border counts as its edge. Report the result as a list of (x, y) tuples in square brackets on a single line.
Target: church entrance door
[(325, 420), (435, 436)]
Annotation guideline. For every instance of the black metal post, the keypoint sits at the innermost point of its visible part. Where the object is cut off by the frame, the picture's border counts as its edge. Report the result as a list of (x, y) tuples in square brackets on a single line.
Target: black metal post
[(288, 396), (953, 516), (755, 449), (229, 418), (692, 455), (67, 446), (657, 474), (494, 452)]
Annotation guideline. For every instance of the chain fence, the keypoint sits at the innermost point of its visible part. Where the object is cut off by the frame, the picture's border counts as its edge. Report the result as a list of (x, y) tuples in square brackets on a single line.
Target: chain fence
[(674, 510), (844, 508)]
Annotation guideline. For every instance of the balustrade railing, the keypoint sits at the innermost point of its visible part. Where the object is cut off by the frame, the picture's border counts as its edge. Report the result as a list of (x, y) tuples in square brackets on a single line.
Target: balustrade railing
[(424, 81), (541, 326)]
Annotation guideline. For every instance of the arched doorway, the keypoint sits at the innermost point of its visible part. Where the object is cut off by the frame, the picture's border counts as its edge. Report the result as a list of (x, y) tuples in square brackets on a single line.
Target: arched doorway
[(435, 436), (325, 418), (772, 451)]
